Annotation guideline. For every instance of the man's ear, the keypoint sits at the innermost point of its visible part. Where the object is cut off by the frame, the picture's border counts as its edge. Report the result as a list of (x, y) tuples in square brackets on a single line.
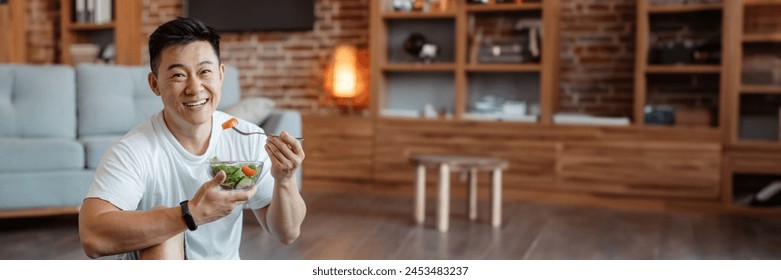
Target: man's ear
[(222, 72), (152, 79)]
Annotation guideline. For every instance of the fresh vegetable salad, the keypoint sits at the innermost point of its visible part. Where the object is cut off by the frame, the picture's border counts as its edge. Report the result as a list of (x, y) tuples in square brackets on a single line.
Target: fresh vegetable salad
[(240, 174)]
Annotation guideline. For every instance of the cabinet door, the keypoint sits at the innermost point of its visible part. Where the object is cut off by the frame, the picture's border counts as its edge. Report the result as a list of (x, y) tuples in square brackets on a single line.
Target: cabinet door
[(658, 169)]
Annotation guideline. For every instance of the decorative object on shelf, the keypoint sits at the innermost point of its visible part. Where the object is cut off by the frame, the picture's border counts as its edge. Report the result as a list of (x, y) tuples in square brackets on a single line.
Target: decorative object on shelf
[(477, 1), (761, 69), (698, 117), (676, 52), (402, 5), (769, 196), (84, 53), (707, 53), (420, 5), (586, 119), (521, 45), (440, 5), (93, 11), (109, 54), (346, 78), (659, 114), (507, 1), (417, 46)]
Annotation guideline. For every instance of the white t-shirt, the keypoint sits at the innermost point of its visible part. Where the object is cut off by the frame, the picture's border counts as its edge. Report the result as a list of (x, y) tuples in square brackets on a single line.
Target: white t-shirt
[(148, 167)]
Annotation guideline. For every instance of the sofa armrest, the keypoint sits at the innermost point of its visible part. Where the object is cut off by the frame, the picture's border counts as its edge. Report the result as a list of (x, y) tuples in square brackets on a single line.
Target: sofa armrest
[(286, 120), (283, 120)]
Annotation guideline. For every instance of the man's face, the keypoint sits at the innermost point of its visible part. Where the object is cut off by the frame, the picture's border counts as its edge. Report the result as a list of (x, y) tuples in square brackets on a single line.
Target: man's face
[(189, 81)]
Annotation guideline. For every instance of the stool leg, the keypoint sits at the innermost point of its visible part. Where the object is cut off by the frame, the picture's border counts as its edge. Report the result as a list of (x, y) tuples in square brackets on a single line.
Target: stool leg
[(472, 194), (420, 195), (496, 198), (444, 197)]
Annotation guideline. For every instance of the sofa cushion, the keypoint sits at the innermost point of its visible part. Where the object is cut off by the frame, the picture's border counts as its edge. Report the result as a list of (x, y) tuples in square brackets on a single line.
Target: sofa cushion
[(255, 110), (42, 154), (40, 190), (96, 146), (113, 99), (37, 101)]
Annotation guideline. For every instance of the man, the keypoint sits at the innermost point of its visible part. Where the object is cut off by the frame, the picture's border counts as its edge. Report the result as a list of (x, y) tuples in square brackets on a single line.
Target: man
[(148, 199)]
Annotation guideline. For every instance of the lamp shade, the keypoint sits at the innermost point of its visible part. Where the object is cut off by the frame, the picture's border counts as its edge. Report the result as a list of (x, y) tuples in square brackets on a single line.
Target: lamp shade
[(346, 79)]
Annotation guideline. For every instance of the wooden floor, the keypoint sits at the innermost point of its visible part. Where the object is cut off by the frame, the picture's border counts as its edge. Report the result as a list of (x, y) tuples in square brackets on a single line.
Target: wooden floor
[(349, 225)]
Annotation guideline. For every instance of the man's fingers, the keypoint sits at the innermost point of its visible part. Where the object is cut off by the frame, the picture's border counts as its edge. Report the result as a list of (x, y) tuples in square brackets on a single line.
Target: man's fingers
[(283, 148), (293, 143), (219, 178)]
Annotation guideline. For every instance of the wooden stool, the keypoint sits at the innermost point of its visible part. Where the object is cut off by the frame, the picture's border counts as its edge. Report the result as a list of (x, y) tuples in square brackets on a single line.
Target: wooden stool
[(451, 163)]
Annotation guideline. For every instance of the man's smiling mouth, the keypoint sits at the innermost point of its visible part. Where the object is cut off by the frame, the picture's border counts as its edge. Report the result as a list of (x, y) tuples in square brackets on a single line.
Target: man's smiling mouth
[(197, 103)]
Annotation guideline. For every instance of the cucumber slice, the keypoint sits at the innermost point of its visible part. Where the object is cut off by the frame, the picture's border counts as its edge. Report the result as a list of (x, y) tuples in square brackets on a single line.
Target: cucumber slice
[(244, 184)]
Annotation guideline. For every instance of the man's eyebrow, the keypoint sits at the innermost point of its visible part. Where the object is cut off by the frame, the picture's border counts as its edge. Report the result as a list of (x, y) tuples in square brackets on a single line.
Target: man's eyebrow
[(175, 65), (179, 65)]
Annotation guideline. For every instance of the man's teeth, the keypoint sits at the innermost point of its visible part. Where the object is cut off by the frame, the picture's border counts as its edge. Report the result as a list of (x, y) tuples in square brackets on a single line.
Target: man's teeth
[(196, 103)]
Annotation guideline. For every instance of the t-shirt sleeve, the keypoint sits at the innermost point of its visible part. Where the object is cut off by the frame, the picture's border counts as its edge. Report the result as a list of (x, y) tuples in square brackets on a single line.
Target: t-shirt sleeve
[(118, 178)]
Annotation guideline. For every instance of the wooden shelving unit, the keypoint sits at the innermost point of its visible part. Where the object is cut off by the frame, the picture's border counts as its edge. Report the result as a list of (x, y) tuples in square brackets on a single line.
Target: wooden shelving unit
[(647, 16), (456, 73), (124, 30), (752, 153), (636, 166)]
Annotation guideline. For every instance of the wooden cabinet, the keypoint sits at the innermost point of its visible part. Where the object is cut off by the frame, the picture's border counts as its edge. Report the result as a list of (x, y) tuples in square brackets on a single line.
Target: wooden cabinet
[(123, 31), (754, 140), (681, 69), (606, 165), (683, 149), (339, 151)]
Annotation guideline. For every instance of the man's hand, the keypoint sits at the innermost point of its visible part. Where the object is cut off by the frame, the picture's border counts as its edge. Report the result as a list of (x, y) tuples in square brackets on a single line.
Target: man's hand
[(286, 156), (211, 202)]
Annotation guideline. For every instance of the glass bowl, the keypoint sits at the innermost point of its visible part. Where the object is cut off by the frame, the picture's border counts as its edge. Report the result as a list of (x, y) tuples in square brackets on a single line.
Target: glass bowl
[(241, 175)]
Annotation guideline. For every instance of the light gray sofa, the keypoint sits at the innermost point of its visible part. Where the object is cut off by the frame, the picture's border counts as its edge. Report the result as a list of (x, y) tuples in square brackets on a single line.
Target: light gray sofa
[(56, 122)]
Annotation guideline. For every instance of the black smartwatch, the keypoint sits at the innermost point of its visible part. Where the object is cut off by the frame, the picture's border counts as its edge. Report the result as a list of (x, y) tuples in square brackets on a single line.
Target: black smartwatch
[(188, 218)]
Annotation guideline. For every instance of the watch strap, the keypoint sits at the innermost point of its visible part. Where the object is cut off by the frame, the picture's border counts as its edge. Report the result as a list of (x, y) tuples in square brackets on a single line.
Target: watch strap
[(188, 217)]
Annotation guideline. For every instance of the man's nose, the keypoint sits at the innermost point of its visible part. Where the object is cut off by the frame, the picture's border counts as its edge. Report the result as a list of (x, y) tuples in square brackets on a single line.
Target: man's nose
[(194, 85)]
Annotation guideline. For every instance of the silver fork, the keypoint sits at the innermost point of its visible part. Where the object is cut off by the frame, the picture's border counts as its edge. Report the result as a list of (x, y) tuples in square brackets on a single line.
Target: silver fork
[(261, 133)]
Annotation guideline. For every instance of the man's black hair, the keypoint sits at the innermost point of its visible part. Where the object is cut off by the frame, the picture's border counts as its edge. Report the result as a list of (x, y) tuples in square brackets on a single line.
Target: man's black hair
[(179, 32)]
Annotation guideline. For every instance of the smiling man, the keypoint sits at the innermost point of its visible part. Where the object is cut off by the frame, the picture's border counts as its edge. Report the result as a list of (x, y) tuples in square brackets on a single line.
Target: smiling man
[(152, 196)]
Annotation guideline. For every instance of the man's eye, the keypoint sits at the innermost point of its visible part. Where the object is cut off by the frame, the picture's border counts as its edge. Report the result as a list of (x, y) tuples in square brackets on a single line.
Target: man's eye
[(207, 71), (178, 75)]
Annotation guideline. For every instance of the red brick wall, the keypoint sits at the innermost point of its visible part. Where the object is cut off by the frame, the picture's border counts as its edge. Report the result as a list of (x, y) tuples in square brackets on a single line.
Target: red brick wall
[(597, 56), (43, 17), (284, 66)]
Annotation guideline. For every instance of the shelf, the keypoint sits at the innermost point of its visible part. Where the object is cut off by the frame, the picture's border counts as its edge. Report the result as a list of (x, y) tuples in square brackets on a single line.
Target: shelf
[(528, 67), (419, 67), (762, 38), (683, 69), (684, 8), (760, 89), (90, 26), (761, 2), (419, 15), (482, 8)]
